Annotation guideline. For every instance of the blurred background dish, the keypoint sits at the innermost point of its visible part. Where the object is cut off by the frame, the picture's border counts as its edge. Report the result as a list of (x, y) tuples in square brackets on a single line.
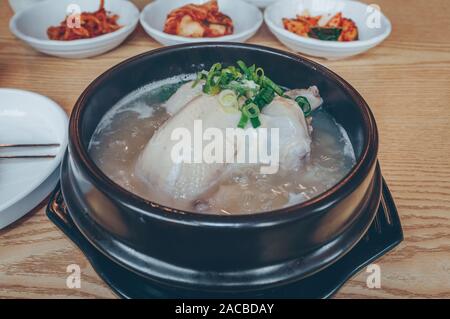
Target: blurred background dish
[(261, 3), (28, 118), (199, 21), (18, 5), (246, 18), (30, 25), (370, 33)]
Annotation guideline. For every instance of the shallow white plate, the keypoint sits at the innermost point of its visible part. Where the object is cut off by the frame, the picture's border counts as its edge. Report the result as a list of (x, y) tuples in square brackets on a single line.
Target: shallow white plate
[(370, 33), (31, 24), (27, 117), (246, 18)]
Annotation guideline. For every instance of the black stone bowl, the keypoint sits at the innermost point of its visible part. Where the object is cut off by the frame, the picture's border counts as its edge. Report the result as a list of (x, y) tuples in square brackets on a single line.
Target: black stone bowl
[(191, 251)]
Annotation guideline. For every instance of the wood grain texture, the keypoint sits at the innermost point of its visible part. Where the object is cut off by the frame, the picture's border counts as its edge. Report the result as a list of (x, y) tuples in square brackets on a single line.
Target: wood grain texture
[(406, 81)]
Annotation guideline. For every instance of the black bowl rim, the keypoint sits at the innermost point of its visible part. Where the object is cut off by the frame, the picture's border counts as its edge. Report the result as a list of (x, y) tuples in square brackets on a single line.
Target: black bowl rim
[(316, 204)]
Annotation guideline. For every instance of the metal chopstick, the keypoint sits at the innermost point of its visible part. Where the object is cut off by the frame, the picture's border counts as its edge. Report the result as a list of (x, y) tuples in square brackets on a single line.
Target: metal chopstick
[(29, 145), (27, 156)]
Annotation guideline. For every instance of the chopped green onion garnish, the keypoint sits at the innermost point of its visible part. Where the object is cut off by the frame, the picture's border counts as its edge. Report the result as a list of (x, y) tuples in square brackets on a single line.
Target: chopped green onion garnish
[(200, 76), (243, 67), (273, 86), (304, 105), (255, 122), (243, 121), (229, 101), (228, 98), (264, 97), (235, 84), (211, 89), (259, 72), (252, 75), (211, 86), (239, 88), (251, 111)]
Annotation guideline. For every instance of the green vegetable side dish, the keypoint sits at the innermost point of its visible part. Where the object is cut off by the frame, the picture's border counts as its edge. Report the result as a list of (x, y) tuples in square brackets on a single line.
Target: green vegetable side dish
[(324, 33), (244, 89)]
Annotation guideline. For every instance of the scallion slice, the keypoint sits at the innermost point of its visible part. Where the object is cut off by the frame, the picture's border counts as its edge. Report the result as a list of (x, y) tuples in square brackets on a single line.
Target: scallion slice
[(251, 111), (264, 97), (255, 122), (229, 101), (211, 86), (273, 86), (245, 69), (304, 105), (243, 121)]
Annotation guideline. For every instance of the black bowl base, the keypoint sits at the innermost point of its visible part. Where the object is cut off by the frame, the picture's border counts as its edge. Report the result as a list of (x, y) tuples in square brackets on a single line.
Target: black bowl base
[(383, 235)]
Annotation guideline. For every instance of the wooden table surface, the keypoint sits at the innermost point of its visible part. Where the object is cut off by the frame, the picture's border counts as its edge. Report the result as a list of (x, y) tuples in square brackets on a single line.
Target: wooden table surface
[(406, 82)]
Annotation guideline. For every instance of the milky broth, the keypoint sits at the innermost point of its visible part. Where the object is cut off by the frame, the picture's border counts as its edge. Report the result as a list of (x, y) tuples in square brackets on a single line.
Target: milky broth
[(126, 129)]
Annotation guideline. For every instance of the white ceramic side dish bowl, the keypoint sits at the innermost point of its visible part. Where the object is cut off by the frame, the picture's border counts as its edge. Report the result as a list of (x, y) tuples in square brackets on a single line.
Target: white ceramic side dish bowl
[(365, 17), (261, 3), (28, 118), (246, 17), (30, 25), (18, 5)]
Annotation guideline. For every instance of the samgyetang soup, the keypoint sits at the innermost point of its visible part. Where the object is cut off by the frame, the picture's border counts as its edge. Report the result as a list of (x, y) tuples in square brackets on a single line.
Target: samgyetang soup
[(225, 141)]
